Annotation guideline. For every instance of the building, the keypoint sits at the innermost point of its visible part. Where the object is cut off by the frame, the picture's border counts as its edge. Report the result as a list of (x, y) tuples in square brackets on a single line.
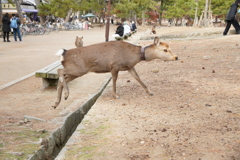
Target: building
[(27, 6)]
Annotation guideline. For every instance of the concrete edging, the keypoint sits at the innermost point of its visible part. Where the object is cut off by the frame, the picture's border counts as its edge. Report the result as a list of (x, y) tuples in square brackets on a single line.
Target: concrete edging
[(59, 138), (182, 36)]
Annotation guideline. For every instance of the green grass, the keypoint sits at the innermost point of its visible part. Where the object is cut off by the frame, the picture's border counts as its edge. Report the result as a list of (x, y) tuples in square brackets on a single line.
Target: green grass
[(90, 150), (1, 144), (20, 141), (27, 149)]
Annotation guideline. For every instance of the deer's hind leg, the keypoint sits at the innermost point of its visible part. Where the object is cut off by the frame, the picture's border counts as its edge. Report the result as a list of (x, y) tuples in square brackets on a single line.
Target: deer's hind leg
[(60, 86), (62, 83), (114, 80), (133, 72)]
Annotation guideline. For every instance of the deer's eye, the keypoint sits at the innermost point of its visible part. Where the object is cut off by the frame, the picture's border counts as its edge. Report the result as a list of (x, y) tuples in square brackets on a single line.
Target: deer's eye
[(165, 50)]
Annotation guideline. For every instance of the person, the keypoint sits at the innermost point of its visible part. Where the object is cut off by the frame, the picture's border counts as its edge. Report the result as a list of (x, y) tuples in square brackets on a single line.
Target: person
[(6, 27), (127, 29), (112, 20), (133, 27), (16, 31), (119, 30), (231, 19), (85, 23)]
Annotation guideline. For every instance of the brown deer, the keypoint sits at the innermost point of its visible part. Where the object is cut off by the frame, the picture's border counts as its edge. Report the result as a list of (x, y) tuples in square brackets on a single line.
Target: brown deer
[(79, 42), (112, 56), (154, 30)]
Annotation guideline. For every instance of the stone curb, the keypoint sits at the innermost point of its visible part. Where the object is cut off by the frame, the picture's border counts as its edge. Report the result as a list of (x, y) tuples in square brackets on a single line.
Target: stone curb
[(182, 36), (58, 139)]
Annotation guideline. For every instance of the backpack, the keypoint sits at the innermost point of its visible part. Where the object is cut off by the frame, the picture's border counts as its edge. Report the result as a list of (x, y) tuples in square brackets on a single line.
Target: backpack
[(14, 23)]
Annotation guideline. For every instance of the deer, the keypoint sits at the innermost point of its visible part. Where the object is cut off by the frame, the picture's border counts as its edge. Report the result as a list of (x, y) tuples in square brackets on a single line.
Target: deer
[(153, 30), (79, 42), (111, 56)]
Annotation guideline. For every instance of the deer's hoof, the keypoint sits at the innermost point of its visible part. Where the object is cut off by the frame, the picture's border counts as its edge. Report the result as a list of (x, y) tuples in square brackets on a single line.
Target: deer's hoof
[(55, 106), (66, 96), (151, 94)]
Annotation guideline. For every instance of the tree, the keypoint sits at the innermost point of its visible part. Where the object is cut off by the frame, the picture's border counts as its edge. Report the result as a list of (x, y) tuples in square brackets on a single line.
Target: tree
[(19, 10), (42, 19), (163, 5), (137, 8), (220, 7), (180, 8), (124, 8)]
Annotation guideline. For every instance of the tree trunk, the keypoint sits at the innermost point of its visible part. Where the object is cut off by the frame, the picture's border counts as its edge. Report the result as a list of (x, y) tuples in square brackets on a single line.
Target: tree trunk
[(68, 15), (206, 14), (19, 11), (160, 12), (195, 22), (143, 19), (160, 19), (42, 18)]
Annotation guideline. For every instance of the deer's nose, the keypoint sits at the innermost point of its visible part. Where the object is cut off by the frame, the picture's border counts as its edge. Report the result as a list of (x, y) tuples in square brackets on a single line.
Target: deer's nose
[(176, 58)]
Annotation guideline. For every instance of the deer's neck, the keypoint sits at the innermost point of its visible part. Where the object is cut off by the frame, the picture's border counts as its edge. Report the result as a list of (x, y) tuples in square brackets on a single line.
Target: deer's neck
[(145, 54), (143, 58)]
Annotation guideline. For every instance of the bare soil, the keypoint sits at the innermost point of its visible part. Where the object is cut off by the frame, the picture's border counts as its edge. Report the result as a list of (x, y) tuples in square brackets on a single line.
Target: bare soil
[(194, 113)]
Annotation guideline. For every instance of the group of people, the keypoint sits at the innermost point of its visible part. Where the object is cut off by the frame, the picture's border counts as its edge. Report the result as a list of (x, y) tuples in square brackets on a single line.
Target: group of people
[(121, 30), (125, 29), (6, 21)]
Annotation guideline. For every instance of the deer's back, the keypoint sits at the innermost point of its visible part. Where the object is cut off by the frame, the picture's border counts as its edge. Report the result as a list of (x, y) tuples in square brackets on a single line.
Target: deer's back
[(103, 57)]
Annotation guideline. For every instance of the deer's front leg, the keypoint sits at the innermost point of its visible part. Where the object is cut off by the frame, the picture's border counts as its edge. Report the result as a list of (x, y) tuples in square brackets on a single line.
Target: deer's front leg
[(133, 72), (63, 82), (114, 80), (59, 90)]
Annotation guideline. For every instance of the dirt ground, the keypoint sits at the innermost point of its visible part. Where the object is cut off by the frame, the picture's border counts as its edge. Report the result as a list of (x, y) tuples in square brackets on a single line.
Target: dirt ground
[(194, 113)]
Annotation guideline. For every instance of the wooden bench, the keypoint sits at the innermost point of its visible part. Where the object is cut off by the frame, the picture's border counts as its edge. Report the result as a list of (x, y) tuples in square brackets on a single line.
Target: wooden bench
[(49, 74)]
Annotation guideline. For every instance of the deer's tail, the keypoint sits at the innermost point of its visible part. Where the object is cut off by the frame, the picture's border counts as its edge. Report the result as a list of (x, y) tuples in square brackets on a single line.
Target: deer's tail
[(61, 53)]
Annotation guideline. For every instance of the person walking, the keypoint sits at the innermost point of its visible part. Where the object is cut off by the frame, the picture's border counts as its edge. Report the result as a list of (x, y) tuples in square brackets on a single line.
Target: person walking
[(16, 30), (6, 27), (231, 18)]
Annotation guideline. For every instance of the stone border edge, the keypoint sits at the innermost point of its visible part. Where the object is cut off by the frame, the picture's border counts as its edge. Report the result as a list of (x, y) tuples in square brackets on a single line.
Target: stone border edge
[(59, 138)]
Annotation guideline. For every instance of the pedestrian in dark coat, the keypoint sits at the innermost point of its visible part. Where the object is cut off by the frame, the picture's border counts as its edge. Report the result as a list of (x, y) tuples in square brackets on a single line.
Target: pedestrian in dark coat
[(133, 26), (120, 29), (231, 19), (6, 27)]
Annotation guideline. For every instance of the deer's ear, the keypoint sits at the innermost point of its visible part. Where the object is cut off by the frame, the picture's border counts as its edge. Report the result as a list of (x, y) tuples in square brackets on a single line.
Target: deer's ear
[(156, 40), (82, 37), (76, 36)]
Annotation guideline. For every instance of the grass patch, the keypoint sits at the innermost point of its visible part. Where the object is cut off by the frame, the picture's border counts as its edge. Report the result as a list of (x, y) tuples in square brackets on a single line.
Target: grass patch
[(1, 144), (83, 153), (20, 141), (89, 150), (27, 149)]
